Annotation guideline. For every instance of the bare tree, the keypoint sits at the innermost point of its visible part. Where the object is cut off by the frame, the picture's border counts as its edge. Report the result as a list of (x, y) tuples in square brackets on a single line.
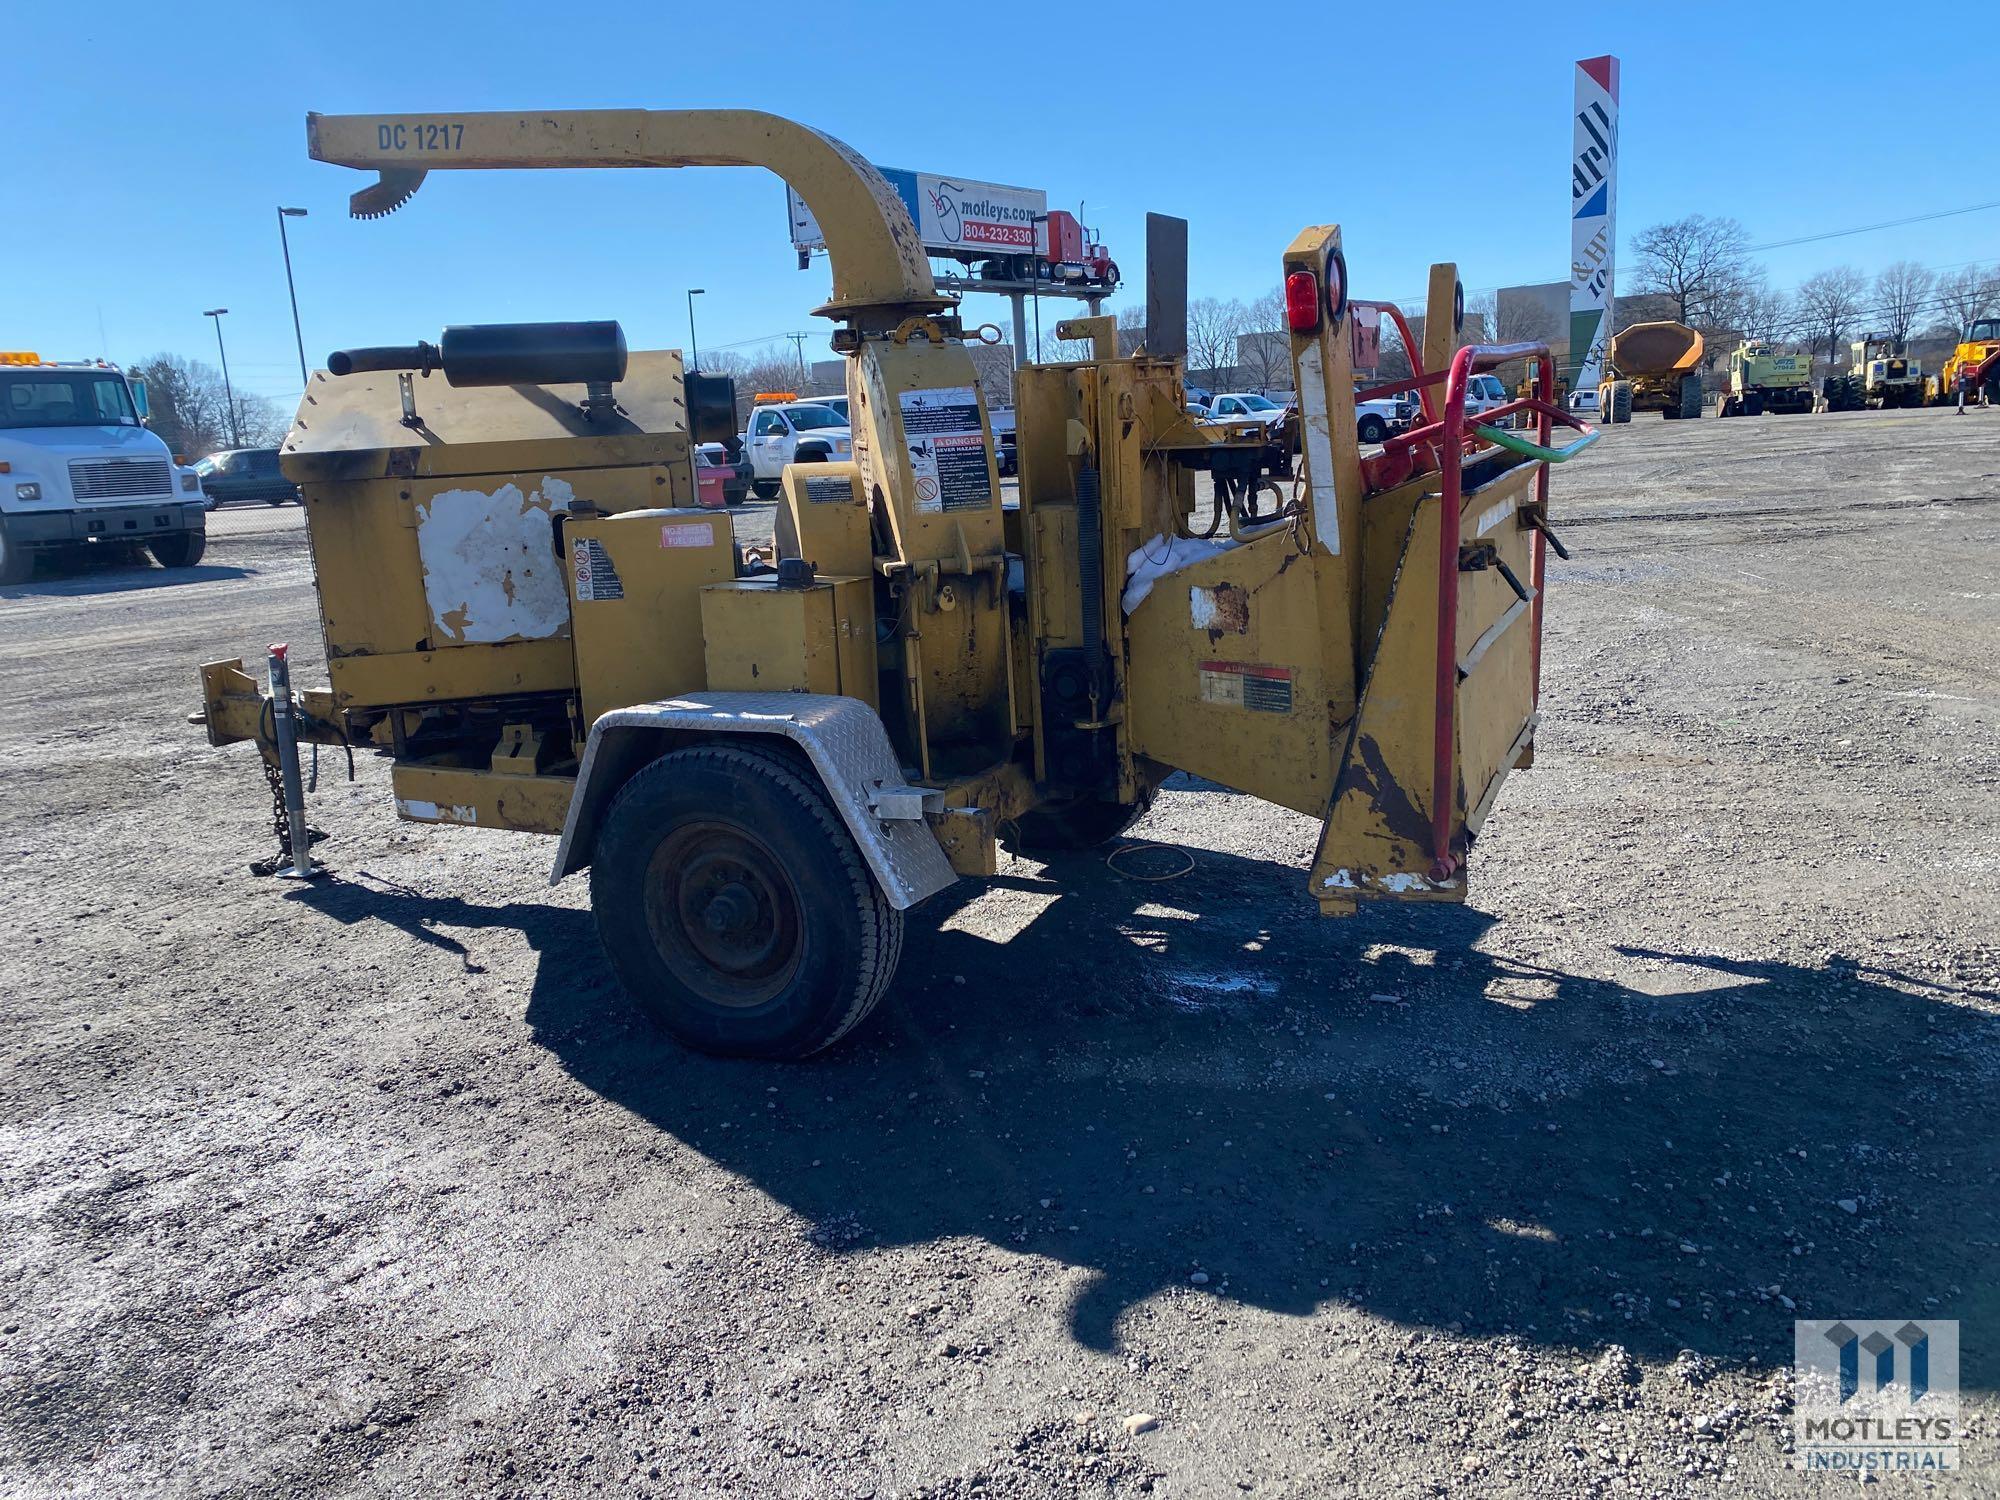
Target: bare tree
[(1903, 294), (1963, 295), (1213, 325), (1699, 262), (1828, 305), (1264, 347), (190, 410), (1764, 314), (1131, 329)]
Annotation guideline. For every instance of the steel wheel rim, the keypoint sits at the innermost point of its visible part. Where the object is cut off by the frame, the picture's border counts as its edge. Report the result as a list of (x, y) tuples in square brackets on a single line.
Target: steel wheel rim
[(723, 914)]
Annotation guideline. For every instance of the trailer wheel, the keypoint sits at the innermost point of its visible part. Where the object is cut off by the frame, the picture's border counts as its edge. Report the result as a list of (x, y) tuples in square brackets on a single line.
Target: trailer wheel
[(735, 907), (181, 550), (1081, 823)]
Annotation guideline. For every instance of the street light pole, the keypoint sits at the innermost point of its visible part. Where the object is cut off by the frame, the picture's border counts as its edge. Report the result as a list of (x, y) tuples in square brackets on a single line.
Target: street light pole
[(694, 348), (228, 392), (285, 240)]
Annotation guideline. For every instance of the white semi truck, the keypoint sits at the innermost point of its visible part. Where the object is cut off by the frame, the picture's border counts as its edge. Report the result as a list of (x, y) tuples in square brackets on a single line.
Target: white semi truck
[(79, 468)]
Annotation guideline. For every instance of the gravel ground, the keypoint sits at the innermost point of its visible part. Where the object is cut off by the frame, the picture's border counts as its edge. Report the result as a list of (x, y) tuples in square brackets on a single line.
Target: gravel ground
[(379, 1187)]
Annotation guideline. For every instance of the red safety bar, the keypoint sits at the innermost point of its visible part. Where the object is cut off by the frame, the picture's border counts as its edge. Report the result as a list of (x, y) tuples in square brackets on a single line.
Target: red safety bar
[(1447, 436)]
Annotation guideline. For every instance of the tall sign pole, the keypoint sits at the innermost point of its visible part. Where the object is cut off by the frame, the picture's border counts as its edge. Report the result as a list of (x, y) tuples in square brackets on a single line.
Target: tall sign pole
[(1593, 224)]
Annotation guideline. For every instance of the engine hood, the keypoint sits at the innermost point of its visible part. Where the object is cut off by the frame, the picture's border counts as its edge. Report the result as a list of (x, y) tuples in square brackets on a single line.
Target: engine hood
[(59, 444)]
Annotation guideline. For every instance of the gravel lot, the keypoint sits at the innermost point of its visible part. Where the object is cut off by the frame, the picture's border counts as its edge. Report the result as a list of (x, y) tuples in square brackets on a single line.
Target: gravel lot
[(378, 1187)]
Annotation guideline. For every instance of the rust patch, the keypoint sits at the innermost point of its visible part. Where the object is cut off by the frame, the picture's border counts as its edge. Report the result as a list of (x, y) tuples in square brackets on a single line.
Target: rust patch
[(1222, 610)]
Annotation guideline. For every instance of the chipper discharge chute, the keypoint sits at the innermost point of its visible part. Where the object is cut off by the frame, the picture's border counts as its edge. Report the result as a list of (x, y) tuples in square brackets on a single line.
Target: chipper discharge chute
[(763, 767), (1654, 367)]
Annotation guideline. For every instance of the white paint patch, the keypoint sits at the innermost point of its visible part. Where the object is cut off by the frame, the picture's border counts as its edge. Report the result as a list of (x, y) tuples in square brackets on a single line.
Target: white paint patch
[(490, 569), (1494, 515), (1318, 447), (559, 493), (416, 810), (1347, 880)]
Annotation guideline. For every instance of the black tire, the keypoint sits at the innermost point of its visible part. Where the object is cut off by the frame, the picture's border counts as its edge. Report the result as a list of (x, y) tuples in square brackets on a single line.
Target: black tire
[(812, 453), (764, 488), (183, 549), (1690, 398), (1753, 404), (1065, 827), (735, 907), (1726, 408), (1372, 429), (17, 563), (1621, 400)]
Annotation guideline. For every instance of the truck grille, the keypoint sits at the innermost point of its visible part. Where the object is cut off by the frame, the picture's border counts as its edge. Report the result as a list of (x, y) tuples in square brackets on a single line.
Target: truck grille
[(119, 478)]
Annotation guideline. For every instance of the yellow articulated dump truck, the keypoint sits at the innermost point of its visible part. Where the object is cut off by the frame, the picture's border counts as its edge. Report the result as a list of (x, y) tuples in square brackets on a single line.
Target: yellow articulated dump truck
[(1654, 367), (764, 763), (1763, 378)]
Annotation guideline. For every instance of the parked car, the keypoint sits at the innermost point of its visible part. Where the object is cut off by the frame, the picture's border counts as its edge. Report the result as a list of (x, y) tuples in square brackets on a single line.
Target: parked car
[(1384, 416), (793, 432), (244, 474), (1007, 452), (736, 470), (1246, 406), (1483, 393)]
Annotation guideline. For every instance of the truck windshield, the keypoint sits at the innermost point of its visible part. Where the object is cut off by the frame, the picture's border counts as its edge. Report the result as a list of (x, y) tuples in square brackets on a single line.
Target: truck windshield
[(65, 398), (1258, 403), (807, 417)]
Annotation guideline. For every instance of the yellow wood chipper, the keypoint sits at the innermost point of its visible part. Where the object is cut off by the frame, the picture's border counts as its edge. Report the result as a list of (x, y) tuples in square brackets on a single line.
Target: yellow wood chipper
[(763, 763)]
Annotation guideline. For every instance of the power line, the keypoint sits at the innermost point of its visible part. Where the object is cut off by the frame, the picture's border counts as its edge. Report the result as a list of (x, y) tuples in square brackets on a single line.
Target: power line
[(1834, 234)]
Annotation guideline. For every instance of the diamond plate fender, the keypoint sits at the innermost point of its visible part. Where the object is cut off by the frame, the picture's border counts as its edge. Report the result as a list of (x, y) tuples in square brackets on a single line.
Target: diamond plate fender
[(843, 739)]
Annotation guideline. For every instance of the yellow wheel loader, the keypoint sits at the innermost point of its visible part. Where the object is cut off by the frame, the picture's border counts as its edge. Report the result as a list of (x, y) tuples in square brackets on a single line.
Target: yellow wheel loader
[(1653, 367), (1880, 376), (1974, 364), (763, 764)]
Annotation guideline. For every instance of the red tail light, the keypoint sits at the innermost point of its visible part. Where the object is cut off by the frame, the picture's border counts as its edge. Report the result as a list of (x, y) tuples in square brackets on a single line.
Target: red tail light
[(1302, 302)]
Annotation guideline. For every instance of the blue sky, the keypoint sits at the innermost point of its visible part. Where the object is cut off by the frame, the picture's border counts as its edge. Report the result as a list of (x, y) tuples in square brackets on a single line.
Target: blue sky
[(149, 144)]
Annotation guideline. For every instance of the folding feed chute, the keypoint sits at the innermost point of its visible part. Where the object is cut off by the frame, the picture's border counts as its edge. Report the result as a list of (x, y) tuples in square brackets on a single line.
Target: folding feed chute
[(764, 767)]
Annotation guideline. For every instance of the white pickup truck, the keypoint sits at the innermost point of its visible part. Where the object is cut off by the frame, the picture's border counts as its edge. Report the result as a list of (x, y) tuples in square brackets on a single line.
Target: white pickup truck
[(793, 432), (78, 467)]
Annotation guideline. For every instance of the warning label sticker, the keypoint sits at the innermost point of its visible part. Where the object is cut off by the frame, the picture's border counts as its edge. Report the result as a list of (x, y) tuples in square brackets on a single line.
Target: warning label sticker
[(591, 565), (1264, 690), (825, 491), (688, 534), (947, 448)]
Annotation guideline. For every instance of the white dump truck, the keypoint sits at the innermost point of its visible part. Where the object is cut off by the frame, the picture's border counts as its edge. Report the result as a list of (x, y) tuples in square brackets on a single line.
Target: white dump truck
[(79, 468)]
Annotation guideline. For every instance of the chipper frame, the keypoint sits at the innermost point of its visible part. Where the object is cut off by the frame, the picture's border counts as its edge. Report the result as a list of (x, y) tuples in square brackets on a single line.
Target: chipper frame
[(763, 768)]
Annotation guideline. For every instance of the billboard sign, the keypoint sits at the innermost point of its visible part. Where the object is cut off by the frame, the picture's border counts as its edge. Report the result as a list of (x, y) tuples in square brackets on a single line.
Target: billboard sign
[(1593, 221), (954, 215)]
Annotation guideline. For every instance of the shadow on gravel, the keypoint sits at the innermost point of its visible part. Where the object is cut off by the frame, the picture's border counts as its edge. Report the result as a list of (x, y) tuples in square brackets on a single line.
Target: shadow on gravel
[(1150, 1080), (116, 578)]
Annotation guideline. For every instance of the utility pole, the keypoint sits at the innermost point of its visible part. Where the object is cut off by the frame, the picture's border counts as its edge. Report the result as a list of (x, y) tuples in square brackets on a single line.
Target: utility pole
[(694, 348), (799, 339), (285, 240), (228, 392)]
